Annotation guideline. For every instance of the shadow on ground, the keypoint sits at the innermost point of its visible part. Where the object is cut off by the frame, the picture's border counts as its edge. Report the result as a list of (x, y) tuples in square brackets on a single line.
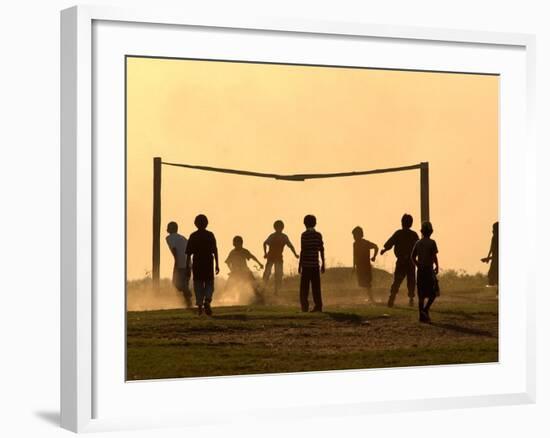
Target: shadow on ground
[(461, 329)]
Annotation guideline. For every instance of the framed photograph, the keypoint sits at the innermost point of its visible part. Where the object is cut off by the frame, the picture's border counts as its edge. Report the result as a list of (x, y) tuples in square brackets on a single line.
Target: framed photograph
[(291, 218)]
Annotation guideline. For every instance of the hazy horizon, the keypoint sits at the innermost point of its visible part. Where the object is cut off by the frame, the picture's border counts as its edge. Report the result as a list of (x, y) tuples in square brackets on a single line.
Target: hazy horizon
[(297, 119)]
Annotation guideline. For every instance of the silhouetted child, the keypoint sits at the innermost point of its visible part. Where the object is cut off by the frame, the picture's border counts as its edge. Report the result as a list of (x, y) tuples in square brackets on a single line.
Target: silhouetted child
[(276, 242), (424, 256), (311, 248), (202, 249), (362, 260), (402, 242), (492, 256), (180, 275), (237, 263)]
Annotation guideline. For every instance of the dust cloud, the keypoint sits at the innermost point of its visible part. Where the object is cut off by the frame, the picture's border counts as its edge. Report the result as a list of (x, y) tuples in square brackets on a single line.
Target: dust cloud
[(141, 295)]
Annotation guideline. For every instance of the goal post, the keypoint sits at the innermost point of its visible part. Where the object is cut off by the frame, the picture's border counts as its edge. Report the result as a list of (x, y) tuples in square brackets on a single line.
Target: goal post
[(157, 176), (424, 191)]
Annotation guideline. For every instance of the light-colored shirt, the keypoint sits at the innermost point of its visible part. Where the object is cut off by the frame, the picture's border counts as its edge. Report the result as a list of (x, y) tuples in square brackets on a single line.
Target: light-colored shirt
[(179, 243)]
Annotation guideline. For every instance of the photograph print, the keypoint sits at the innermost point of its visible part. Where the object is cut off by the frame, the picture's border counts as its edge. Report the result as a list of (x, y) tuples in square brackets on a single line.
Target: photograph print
[(285, 218)]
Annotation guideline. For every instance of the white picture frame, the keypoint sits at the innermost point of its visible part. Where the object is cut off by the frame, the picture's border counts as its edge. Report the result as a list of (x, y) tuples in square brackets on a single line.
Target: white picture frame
[(81, 335)]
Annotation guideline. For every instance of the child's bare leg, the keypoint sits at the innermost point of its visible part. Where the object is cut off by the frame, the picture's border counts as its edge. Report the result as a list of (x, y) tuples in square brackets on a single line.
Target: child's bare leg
[(429, 304), (278, 276), (267, 272), (421, 310)]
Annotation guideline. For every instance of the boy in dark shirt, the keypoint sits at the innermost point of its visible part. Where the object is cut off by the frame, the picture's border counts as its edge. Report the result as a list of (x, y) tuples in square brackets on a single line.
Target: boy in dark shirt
[(402, 241), (424, 256), (202, 248), (311, 248), (276, 242), (240, 272), (362, 260)]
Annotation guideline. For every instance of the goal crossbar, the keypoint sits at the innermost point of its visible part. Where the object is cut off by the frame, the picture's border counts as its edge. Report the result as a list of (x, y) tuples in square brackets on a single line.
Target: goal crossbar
[(295, 177), (157, 172)]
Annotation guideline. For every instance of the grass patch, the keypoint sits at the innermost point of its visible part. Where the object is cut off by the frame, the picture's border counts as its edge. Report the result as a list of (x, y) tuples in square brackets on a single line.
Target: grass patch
[(279, 339)]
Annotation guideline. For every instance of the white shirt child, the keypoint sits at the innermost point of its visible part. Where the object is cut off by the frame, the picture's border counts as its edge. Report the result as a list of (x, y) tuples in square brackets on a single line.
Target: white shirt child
[(177, 241)]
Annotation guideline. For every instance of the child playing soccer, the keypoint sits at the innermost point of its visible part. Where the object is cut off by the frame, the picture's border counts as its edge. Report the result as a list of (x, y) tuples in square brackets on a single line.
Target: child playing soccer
[(237, 263), (276, 243), (311, 248), (178, 246), (202, 248), (492, 256), (402, 242), (424, 256), (362, 260)]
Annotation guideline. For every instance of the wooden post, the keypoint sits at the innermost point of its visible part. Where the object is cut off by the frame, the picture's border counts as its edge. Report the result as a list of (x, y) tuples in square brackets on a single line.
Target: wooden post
[(424, 191), (157, 166)]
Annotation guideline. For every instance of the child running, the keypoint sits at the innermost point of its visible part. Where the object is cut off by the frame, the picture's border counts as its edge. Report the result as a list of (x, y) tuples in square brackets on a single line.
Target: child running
[(424, 256), (276, 242), (202, 248), (178, 247), (362, 260), (237, 263), (312, 248)]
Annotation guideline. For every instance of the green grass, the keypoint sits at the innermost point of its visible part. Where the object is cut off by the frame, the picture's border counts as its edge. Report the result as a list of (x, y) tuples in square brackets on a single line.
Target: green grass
[(279, 338)]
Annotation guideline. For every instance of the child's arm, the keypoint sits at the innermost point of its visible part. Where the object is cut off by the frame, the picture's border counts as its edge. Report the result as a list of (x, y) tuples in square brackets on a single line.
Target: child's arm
[(188, 252), (414, 256), (489, 254), (301, 255), (322, 252), (388, 245), (253, 257), (215, 252), (375, 247), (291, 247), (265, 249), (436, 262), (174, 252)]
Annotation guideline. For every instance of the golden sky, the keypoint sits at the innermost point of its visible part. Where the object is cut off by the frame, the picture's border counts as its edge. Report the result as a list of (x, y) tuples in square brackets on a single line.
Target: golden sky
[(298, 119)]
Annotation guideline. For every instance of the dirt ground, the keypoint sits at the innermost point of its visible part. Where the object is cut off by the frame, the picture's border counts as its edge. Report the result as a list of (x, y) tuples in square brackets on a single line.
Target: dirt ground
[(277, 337)]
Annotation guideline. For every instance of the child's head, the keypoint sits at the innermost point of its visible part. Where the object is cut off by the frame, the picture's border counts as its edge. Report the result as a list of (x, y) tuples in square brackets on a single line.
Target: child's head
[(238, 242), (495, 228), (357, 233), (426, 229), (407, 221), (279, 225), (310, 221), (201, 222), (172, 227)]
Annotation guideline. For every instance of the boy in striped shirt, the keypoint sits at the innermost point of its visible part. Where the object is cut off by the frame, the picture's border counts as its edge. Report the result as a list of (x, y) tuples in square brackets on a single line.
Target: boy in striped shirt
[(311, 248)]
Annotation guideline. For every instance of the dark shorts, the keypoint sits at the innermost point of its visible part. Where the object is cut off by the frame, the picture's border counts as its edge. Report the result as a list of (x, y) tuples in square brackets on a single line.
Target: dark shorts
[(364, 276), (426, 283)]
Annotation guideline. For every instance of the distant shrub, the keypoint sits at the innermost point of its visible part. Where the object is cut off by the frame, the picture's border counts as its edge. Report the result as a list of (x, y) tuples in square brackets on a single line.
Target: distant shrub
[(451, 279)]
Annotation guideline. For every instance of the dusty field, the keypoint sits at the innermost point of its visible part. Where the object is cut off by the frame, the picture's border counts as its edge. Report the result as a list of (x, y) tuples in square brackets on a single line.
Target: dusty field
[(278, 338)]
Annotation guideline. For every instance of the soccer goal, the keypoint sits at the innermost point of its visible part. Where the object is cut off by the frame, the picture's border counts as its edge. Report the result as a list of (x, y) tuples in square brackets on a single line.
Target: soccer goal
[(423, 167)]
